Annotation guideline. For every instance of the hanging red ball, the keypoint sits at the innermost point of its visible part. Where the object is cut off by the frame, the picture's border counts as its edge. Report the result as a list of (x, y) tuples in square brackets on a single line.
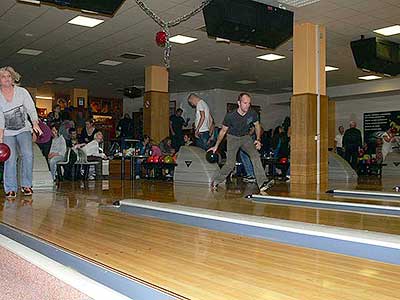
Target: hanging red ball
[(161, 38)]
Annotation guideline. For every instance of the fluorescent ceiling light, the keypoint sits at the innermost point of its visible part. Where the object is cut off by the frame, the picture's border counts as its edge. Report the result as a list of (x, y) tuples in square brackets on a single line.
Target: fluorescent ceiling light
[(192, 74), (108, 62), (369, 77), (245, 81), (387, 31), (221, 40), (85, 21), (271, 57), (31, 1), (44, 97), (66, 79), (181, 39), (29, 52), (298, 3), (330, 68)]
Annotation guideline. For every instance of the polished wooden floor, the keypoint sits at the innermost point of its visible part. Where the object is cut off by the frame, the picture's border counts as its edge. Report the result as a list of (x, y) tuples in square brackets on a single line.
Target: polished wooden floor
[(202, 264)]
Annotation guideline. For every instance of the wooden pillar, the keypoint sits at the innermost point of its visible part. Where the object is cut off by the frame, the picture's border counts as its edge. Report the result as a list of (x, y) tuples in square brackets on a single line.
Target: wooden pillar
[(331, 124), (308, 57), (156, 103), (79, 97)]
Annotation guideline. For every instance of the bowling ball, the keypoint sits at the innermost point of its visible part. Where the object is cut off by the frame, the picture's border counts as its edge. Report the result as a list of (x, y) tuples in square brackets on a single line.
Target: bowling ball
[(161, 159), (366, 156), (168, 159), (156, 158), (283, 160), (150, 159), (211, 157), (5, 152)]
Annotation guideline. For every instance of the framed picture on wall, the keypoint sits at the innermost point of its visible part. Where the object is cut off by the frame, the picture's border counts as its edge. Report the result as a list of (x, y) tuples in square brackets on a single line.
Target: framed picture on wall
[(95, 106), (106, 106), (42, 112), (172, 107), (81, 101)]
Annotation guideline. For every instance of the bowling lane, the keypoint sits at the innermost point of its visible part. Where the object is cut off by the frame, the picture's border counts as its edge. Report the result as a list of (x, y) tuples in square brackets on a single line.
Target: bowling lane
[(193, 262)]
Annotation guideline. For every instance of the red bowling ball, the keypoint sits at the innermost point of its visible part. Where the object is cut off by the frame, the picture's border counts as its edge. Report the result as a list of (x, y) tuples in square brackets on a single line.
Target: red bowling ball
[(5, 152)]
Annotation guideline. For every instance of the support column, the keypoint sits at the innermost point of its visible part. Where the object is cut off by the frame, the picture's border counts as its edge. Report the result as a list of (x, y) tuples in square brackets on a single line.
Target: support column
[(156, 103), (309, 81), (331, 124)]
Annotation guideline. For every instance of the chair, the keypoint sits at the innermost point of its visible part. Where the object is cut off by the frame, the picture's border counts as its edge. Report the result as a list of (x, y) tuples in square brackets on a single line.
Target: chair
[(82, 161), (63, 164)]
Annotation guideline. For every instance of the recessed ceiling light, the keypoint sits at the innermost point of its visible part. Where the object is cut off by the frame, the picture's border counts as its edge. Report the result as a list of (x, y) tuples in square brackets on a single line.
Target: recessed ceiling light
[(245, 81), (221, 40), (330, 68), (85, 21), (37, 2), (192, 74), (44, 97), (369, 77), (108, 62), (298, 3), (387, 31), (66, 79), (271, 57), (29, 52), (181, 39)]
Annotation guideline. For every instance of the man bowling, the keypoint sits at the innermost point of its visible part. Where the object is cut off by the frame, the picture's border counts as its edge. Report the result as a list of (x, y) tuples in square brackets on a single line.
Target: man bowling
[(236, 125)]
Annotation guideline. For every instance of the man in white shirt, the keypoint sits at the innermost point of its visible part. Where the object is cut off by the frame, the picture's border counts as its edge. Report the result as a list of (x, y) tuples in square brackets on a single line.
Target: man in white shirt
[(339, 142), (202, 121)]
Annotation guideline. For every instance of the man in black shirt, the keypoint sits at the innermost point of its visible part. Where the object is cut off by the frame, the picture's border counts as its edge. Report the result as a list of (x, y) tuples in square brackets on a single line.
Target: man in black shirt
[(176, 123), (352, 142), (236, 125)]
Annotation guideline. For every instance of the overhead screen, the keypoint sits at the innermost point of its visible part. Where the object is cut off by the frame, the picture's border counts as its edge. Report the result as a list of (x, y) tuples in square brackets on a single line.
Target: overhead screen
[(249, 22), (378, 55), (105, 7)]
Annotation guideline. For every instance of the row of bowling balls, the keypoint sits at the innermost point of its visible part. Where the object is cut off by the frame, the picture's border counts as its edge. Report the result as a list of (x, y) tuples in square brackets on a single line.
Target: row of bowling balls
[(167, 159), (367, 159)]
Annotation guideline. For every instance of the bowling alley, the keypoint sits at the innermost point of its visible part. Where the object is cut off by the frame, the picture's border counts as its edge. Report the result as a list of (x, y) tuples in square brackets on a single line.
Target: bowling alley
[(199, 149)]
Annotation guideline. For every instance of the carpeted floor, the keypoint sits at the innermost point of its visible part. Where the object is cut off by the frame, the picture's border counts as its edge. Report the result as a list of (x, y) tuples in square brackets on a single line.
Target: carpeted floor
[(20, 280)]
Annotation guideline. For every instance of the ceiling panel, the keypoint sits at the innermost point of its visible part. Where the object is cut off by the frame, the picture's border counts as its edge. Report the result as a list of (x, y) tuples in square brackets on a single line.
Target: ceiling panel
[(67, 48)]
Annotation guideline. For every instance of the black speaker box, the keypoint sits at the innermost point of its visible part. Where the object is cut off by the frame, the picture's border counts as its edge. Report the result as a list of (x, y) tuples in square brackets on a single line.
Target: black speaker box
[(248, 22), (377, 55)]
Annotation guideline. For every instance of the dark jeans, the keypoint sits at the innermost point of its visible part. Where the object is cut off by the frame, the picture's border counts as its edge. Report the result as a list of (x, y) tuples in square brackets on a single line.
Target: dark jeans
[(202, 140), (177, 141), (245, 143), (351, 155)]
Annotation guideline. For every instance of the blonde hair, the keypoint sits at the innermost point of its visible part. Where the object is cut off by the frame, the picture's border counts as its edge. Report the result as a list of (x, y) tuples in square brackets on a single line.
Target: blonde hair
[(16, 77), (97, 134)]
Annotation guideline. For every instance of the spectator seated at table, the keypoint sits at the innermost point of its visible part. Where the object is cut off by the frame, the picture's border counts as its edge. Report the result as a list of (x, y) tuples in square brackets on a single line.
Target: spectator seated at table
[(57, 150), (166, 147), (143, 148), (95, 153)]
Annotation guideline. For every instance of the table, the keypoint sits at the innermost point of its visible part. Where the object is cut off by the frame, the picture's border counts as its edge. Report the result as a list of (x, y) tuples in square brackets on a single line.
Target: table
[(132, 159)]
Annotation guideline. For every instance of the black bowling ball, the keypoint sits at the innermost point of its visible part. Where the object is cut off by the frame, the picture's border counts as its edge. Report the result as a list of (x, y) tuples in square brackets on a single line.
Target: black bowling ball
[(211, 157)]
